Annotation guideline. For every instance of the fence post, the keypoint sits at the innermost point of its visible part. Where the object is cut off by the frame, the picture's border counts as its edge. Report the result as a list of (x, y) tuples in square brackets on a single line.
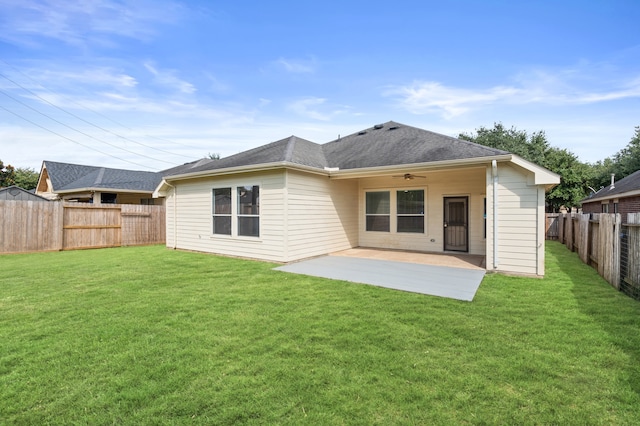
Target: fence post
[(583, 237), (59, 225), (615, 279), (570, 232)]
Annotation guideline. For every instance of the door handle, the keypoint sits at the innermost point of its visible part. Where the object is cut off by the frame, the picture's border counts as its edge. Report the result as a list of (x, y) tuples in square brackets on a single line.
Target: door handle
[(445, 224)]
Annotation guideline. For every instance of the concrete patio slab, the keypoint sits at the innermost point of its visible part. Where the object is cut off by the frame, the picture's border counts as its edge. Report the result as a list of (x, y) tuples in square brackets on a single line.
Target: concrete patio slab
[(451, 282)]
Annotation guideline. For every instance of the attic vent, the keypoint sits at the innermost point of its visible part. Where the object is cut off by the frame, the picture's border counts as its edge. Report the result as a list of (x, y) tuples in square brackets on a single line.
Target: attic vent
[(393, 127), (378, 126), (362, 132)]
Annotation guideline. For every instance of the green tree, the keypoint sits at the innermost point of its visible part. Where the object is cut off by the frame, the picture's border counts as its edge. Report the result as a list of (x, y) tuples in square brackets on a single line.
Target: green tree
[(600, 174), (628, 158), (574, 178), (26, 178), (622, 164), (534, 147), (530, 147), (7, 175)]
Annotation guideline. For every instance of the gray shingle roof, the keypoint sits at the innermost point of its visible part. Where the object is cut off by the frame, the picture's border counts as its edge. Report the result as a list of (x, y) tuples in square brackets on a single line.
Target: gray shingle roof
[(383, 145), (627, 184), (67, 177), (292, 149), (396, 144), (14, 192)]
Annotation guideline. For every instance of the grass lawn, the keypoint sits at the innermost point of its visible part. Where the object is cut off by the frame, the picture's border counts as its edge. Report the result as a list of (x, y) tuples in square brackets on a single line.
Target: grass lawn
[(146, 335)]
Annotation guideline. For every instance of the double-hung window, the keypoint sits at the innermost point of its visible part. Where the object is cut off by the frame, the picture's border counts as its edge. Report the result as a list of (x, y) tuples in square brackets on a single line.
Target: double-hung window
[(410, 211), (378, 211), (222, 211), (249, 211)]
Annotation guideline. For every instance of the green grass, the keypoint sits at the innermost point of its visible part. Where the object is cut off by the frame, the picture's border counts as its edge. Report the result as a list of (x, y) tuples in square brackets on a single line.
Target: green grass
[(146, 335)]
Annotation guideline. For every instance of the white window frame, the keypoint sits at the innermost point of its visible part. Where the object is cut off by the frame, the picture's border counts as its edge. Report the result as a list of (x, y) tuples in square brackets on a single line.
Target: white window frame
[(235, 214), (422, 215), (367, 215), (255, 216), (214, 214), (393, 206)]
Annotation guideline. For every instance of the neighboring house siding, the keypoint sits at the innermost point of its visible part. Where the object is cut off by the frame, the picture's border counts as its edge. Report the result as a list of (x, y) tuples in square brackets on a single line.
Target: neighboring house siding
[(591, 207), (194, 214), (520, 208), (322, 215), (459, 183), (625, 205)]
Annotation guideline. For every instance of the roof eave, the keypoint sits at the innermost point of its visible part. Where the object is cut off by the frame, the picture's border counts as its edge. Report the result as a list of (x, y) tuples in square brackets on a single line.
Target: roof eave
[(626, 194), (94, 189), (431, 165), (542, 176), (245, 169)]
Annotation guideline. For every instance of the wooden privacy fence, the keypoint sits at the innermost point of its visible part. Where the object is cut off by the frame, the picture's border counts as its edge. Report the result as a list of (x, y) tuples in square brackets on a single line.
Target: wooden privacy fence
[(28, 226), (605, 243)]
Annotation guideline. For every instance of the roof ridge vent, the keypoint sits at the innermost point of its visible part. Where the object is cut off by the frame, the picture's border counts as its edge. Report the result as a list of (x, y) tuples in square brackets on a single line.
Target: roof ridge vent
[(378, 126)]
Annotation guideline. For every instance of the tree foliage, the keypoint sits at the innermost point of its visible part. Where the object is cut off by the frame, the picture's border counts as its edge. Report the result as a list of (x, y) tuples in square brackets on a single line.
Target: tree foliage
[(530, 147), (628, 159), (7, 175), (622, 164), (26, 178), (534, 147)]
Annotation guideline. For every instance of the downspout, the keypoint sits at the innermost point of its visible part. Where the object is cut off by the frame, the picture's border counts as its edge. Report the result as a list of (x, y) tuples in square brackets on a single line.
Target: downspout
[(175, 218), (494, 174)]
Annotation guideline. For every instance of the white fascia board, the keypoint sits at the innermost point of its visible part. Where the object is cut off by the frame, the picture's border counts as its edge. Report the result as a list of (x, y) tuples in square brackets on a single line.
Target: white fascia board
[(245, 169), (614, 196), (407, 168), (541, 175), (91, 189), (161, 190)]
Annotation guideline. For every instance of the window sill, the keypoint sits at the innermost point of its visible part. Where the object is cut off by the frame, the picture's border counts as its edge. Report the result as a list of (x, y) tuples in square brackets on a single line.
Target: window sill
[(234, 238)]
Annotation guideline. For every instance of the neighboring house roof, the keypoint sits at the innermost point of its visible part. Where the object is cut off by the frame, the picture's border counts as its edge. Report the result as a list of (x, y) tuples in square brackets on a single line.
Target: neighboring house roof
[(385, 144), (16, 193), (626, 187), (67, 177)]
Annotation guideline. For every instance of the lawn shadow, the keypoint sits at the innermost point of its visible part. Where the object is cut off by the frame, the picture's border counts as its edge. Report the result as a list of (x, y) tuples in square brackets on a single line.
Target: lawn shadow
[(617, 314)]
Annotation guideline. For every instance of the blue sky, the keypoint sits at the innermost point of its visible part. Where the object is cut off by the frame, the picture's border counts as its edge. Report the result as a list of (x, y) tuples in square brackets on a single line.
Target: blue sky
[(148, 84)]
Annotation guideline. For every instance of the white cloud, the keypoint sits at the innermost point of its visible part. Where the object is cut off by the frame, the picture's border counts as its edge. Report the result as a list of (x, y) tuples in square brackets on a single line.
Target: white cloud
[(308, 108), (563, 88), (94, 76), (317, 109), (81, 22), (427, 97), (168, 78), (297, 66)]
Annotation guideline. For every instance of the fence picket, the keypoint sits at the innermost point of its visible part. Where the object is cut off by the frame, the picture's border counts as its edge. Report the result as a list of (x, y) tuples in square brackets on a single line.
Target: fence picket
[(29, 226), (604, 242)]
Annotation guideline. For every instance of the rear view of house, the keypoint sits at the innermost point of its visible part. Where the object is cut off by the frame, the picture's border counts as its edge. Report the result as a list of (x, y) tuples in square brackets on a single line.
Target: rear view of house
[(390, 186)]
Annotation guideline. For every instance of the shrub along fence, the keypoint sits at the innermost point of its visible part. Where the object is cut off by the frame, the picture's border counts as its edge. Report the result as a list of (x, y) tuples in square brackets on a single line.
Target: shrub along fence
[(605, 243), (28, 226)]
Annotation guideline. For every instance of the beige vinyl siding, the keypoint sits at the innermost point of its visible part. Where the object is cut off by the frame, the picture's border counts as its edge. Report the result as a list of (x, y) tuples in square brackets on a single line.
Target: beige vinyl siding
[(194, 214), (466, 182), (322, 215), (518, 222)]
